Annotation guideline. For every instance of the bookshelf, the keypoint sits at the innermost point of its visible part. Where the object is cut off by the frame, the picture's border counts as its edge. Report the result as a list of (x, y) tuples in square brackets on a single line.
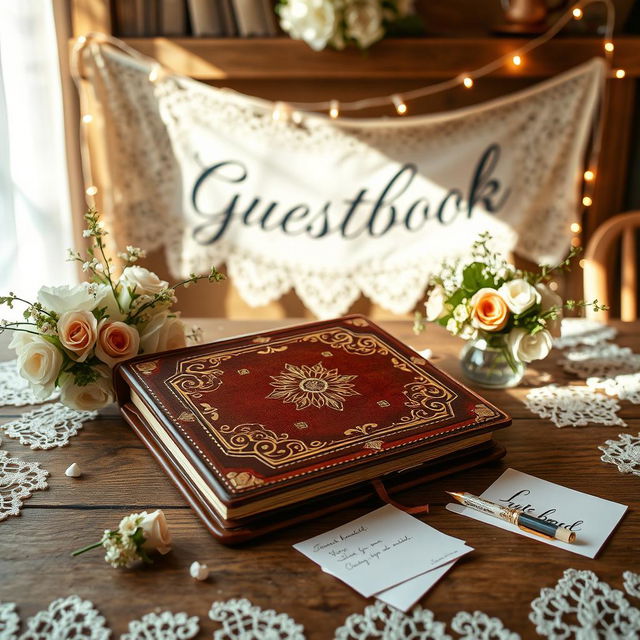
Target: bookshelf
[(283, 69)]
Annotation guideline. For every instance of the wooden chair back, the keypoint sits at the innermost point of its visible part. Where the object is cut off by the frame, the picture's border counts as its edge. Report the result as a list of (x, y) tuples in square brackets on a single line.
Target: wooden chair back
[(599, 265)]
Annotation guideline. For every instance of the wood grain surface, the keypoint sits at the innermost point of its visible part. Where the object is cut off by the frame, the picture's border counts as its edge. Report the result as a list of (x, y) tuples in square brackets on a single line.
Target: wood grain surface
[(501, 577)]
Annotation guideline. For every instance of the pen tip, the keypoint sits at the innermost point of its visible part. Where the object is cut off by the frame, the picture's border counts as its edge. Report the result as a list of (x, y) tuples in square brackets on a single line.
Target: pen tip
[(454, 494)]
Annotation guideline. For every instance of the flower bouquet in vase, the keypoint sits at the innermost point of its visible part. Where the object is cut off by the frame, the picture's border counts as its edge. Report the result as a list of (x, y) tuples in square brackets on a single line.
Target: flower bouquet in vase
[(73, 336), (507, 316)]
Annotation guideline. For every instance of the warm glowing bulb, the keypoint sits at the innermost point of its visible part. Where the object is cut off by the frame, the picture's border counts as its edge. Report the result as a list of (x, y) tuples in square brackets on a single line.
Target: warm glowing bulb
[(589, 175), (553, 285), (587, 201), (582, 263), (87, 118), (608, 46), (517, 60), (575, 242), (399, 104), (577, 13), (334, 110), (92, 190), (575, 227), (467, 82), (620, 73)]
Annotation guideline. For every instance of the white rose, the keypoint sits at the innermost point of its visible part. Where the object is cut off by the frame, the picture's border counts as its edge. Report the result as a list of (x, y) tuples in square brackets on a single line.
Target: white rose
[(313, 21), (109, 302), (20, 339), (39, 362), (163, 333), (140, 280), (526, 347), (364, 22), (519, 295), (434, 306), (89, 397), (550, 299), (156, 532), (82, 297)]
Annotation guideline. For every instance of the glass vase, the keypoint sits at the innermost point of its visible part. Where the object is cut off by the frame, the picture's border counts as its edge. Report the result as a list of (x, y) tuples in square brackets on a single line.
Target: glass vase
[(487, 363)]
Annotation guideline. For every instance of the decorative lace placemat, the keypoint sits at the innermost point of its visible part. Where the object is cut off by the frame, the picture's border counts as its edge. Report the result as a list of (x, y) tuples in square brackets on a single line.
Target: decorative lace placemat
[(576, 331)]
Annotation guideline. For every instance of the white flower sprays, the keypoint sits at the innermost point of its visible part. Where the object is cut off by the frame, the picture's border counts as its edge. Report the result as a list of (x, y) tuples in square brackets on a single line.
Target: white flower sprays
[(137, 535)]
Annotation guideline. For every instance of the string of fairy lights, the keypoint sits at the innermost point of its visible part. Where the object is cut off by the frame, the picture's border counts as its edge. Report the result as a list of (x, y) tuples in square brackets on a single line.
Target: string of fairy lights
[(294, 111)]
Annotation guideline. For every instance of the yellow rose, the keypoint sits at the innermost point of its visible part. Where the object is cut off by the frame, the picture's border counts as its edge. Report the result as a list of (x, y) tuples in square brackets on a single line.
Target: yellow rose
[(489, 311)]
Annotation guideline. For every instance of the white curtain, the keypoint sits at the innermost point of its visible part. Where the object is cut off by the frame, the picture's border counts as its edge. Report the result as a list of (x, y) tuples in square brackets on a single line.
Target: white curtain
[(35, 216)]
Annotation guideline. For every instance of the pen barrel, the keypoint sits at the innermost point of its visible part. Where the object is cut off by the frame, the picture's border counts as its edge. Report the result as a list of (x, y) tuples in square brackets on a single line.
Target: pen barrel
[(536, 524), (490, 508)]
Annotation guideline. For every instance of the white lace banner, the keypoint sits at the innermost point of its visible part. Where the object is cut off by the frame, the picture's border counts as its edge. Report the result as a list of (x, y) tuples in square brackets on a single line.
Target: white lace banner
[(336, 208)]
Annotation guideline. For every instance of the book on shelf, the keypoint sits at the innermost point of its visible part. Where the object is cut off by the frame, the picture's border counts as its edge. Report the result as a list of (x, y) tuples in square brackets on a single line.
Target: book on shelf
[(172, 18), (206, 18), (254, 18), (264, 430)]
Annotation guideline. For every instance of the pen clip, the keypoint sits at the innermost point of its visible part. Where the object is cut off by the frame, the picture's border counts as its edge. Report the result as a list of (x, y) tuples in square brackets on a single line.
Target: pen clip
[(536, 533)]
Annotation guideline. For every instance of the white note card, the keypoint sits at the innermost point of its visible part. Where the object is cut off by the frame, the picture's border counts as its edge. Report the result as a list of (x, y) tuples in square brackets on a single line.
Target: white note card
[(381, 549), (591, 518)]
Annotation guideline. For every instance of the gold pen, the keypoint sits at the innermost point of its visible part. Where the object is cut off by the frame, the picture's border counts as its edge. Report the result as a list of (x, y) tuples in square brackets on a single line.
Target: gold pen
[(522, 520)]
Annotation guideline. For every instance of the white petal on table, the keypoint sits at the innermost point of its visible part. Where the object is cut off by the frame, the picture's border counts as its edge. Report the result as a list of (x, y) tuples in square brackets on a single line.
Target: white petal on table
[(573, 406), (47, 427)]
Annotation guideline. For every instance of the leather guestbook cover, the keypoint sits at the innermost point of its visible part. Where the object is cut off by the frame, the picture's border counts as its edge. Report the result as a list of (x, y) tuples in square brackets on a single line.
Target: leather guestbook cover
[(259, 428)]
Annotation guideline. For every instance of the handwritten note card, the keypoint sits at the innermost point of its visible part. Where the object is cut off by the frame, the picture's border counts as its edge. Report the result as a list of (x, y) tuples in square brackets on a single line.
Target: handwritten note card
[(593, 519), (381, 549)]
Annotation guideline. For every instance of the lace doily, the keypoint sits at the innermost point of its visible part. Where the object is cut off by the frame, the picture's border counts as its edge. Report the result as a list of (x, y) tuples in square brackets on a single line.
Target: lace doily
[(163, 626), (625, 386), (14, 389), (241, 619), (632, 583), (69, 617), (49, 426), (9, 621), (623, 452), (576, 331), (601, 360), (479, 626), (573, 406), (580, 606), (381, 621), (18, 480)]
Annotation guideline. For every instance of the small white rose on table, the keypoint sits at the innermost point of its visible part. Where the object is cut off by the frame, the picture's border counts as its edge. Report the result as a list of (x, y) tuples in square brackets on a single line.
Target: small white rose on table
[(73, 336), (137, 535)]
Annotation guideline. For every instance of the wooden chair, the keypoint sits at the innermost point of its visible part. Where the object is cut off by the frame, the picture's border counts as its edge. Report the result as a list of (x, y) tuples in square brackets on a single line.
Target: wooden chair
[(599, 261)]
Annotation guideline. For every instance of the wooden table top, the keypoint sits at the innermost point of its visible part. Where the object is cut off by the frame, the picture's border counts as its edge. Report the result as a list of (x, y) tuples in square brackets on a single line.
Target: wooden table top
[(501, 577)]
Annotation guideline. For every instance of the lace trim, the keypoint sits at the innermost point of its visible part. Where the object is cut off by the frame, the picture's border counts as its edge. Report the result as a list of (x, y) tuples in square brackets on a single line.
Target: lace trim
[(632, 583), (18, 481), (623, 452), (573, 406), (47, 427), (9, 621), (601, 360), (626, 386)]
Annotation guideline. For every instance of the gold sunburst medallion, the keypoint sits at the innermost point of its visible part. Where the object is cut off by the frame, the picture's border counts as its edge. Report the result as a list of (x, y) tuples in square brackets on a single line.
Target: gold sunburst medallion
[(314, 386)]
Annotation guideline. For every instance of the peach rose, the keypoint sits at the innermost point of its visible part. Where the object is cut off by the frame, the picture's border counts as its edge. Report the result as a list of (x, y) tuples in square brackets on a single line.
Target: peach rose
[(489, 311), (77, 331), (117, 341)]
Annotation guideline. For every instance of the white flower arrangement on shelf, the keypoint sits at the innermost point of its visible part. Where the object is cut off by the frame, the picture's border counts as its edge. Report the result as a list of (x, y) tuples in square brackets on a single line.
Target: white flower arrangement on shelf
[(73, 336), (509, 309), (338, 23), (137, 535)]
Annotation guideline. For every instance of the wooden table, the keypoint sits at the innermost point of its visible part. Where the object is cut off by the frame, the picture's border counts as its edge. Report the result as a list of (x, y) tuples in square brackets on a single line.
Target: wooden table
[(500, 577)]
